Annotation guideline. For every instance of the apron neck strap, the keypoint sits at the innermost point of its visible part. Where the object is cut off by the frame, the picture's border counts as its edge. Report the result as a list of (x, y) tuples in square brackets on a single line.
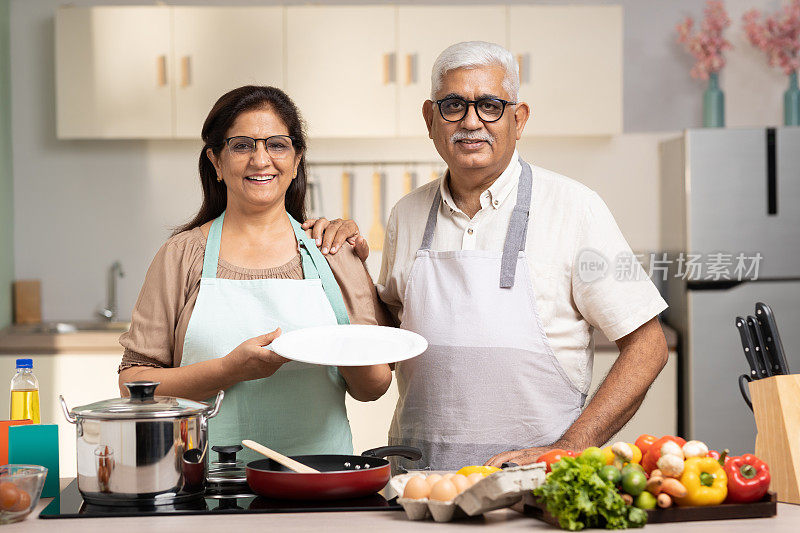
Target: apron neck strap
[(315, 266), (211, 256), (517, 227)]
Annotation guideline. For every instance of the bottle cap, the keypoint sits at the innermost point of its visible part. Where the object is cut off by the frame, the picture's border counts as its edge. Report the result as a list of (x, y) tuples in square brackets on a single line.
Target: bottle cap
[(24, 363)]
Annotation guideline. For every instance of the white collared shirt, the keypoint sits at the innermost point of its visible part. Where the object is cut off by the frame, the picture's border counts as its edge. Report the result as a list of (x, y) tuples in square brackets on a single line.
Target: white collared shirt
[(567, 219)]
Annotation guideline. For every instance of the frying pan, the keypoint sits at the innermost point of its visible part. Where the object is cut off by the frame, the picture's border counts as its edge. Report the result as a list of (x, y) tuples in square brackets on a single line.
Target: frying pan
[(339, 477)]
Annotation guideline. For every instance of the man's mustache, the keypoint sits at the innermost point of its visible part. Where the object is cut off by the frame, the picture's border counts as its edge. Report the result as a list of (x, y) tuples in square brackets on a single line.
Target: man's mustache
[(462, 135)]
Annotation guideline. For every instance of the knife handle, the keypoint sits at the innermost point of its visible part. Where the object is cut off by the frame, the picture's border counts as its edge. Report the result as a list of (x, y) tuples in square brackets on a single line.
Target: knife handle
[(760, 355), (773, 338), (747, 345)]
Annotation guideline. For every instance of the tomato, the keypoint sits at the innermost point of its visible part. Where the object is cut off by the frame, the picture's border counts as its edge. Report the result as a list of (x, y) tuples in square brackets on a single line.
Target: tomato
[(654, 452), (554, 456), (644, 442)]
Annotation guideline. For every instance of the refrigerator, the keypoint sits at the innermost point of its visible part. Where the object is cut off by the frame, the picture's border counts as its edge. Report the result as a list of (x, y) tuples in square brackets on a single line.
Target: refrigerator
[(730, 197)]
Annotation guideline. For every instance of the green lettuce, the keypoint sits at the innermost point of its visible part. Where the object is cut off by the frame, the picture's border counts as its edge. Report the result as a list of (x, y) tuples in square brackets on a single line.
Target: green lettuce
[(578, 497)]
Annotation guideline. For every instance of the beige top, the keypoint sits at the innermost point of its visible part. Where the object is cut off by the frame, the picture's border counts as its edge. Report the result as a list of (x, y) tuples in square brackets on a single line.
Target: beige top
[(162, 312)]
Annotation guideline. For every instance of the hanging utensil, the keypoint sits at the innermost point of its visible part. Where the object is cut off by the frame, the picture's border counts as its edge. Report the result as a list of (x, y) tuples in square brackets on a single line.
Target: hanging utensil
[(289, 463), (769, 329), (760, 355), (339, 476), (347, 194), (408, 182), (377, 232), (744, 380)]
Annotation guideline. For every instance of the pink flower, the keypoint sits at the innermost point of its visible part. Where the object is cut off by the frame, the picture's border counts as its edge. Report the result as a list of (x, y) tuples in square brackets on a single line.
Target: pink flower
[(778, 35), (707, 44)]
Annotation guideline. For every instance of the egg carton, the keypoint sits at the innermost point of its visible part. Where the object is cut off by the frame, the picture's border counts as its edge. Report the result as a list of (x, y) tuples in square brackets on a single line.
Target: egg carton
[(496, 491)]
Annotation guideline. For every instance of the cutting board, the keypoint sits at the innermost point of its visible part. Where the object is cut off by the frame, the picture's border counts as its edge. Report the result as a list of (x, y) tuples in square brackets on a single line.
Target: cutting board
[(767, 507), (27, 301)]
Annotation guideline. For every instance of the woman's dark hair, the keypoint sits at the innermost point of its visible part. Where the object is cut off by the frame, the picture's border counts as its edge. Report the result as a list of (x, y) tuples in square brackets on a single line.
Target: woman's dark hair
[(215, 128)]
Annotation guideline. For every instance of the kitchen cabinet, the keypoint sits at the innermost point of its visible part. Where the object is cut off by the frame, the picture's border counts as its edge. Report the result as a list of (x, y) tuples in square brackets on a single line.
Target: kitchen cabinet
[(571, 67), (218, 49), (422, 34), (341, 69), (113, 73), (155, 72), (82, 378)]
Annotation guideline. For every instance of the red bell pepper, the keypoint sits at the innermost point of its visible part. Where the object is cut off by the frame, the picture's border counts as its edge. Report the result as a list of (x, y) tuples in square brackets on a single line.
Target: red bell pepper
[(748, 478), (723, 458), (654, 452)]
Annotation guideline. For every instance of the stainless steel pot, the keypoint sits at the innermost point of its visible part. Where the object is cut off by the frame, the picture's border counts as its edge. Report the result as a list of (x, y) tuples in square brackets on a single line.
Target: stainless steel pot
[(142, 449)]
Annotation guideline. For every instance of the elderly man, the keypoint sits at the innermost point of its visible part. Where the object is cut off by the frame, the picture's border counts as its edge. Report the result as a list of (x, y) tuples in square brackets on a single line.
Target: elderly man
[(483, 264)]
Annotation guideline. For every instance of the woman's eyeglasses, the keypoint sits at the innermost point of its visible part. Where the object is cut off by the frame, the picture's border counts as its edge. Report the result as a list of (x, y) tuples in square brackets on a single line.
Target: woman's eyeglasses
[(277, 146)]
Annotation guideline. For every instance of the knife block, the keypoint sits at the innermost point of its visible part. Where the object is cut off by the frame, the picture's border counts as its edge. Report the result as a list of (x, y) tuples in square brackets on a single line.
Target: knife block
[(776, 406)]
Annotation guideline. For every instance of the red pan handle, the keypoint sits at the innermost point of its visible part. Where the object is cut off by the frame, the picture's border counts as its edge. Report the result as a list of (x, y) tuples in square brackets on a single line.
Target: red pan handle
[(409, 452)]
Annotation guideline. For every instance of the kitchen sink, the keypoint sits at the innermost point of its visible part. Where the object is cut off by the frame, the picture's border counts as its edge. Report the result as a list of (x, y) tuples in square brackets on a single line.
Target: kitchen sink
[(68, 326)]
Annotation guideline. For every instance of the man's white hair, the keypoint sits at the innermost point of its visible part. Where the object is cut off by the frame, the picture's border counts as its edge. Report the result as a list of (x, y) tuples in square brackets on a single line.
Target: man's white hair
[(475, 54)]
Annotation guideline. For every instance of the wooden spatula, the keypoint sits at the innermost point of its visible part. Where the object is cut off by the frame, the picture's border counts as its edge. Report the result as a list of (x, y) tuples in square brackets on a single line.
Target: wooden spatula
[(408, 182), (376, 232), (347, 195), (289, 463)]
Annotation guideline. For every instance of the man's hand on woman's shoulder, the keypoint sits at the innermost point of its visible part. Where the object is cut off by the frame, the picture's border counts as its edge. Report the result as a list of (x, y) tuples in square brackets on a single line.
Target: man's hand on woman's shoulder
[(331, 234)]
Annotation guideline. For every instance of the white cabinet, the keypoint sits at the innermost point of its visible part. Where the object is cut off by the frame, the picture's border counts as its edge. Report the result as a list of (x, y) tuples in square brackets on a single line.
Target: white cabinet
[(155, 72), (422, 34), (340, 69), (218, 49), (112, 73), (571, 62)]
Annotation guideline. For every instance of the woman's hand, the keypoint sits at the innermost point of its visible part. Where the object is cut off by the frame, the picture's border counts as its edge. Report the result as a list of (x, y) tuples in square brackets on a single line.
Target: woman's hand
[(331, 234), (251, 360)]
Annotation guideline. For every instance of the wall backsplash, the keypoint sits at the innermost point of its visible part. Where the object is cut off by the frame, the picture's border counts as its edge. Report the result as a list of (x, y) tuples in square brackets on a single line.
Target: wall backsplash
[(80, 205)]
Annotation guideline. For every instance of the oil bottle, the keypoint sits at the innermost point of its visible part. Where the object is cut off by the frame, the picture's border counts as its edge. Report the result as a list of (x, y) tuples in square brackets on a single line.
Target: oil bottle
[(25, 393)]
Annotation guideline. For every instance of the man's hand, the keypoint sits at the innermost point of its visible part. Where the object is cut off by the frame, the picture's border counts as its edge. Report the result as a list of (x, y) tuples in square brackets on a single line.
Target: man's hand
[(526, 456), (331, 234)]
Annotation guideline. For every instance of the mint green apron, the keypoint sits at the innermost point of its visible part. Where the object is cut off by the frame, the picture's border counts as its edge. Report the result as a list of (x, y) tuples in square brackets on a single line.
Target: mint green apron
[(300, 409)]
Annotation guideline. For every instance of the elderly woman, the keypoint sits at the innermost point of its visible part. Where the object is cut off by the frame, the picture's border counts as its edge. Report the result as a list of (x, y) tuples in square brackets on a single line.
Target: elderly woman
[(226, 284)]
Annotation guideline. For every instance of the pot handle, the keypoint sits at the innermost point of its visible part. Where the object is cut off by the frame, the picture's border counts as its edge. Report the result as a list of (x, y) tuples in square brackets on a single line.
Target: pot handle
[(409, 452), (70, 418), (214, 411)]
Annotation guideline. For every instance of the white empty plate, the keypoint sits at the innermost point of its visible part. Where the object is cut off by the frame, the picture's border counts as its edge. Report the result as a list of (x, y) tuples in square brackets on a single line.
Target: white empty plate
[(349, 345)]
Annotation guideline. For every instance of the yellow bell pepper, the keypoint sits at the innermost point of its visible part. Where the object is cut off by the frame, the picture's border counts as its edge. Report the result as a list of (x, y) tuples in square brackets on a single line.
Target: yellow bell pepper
[(705, 481), (637, 454), (608, 455)]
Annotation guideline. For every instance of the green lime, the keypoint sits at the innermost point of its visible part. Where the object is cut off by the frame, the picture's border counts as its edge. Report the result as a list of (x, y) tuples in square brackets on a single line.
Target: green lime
[(611, 474), (593, 456), (634, 482), (632, 466), (645, 500)]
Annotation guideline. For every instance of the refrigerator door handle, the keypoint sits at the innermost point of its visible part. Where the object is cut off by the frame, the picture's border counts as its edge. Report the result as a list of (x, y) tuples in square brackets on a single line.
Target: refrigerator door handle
[(772, 173)]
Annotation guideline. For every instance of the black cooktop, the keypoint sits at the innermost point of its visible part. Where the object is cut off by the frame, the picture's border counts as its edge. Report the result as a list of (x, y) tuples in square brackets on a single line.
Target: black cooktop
[(70, 504)]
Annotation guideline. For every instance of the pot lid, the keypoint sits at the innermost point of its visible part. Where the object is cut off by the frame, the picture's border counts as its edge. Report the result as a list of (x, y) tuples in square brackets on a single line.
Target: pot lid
[(142, 403)]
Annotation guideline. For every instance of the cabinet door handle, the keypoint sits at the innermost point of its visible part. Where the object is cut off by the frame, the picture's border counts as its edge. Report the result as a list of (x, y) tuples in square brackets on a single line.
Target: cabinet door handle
[(523, 61), (388, 68), (411, 68), (161, 68), (186, 71)]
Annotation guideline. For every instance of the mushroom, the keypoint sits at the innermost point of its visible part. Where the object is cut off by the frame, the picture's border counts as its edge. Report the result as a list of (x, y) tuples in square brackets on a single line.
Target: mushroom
[(670, 465), (695, 448), (623, 453), (672, 448)]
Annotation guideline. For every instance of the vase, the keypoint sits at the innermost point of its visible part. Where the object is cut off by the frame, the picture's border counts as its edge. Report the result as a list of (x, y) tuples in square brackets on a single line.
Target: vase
[(713, 104), (791, 102)]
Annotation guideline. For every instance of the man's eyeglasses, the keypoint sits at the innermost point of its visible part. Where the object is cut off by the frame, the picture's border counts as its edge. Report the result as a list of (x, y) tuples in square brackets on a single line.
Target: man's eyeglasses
[(277, 146), (455, 108)]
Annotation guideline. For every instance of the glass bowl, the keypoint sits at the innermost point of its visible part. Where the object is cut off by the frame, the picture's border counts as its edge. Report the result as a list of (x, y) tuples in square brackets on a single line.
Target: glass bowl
[(20, 488)]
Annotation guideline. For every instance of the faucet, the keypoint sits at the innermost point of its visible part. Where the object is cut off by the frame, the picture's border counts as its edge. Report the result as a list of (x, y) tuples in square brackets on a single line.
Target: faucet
[(109, 312)]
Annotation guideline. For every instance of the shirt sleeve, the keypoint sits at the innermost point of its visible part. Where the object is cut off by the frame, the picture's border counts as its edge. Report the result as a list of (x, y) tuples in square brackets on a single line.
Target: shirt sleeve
[(151, 338), (387, 287), (609, 286), (359, 294)]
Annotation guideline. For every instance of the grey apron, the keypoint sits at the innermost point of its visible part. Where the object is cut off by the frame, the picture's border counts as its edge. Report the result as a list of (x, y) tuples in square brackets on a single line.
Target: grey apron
[(489, 381)]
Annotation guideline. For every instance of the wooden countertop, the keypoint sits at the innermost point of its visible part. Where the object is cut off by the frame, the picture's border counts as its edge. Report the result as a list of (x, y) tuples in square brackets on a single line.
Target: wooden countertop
[(348, 522), (15, 341)]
